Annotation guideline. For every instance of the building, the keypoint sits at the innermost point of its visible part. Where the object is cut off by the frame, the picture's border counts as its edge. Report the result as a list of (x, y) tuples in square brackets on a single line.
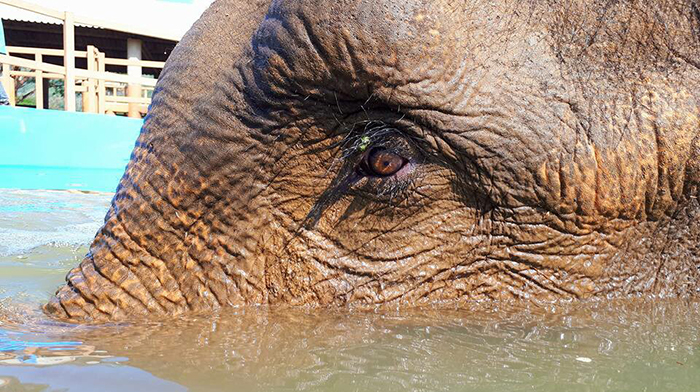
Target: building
[(131, 38)]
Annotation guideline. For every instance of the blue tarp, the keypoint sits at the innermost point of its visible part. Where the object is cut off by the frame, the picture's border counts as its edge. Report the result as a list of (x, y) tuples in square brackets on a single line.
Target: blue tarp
[(49, 149)]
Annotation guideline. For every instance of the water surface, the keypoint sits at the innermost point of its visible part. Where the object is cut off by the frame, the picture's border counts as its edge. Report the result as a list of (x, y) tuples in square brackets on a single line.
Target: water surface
[(632, 345)]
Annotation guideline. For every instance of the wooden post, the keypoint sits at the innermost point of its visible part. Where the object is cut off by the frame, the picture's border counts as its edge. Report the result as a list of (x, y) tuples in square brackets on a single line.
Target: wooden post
[(69, 61), (90, 93), (8, 83), (133, 50), (6, 78), (101, 88), (81, 88), (39, 83)]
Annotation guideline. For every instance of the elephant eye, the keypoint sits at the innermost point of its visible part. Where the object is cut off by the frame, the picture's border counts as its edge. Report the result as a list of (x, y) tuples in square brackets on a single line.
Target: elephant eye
[(381, 162)]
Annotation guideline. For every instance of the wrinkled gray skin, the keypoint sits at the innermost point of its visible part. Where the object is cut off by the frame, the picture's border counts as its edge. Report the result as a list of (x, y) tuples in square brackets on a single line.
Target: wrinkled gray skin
[(550, 149)]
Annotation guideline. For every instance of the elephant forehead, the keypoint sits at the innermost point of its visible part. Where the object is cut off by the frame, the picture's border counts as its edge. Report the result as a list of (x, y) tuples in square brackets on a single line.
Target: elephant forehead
[(374, 29), (357, 48)]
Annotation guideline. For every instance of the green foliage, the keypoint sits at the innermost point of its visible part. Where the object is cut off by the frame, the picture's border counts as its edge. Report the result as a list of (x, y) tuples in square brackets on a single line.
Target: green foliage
[(29, 101)]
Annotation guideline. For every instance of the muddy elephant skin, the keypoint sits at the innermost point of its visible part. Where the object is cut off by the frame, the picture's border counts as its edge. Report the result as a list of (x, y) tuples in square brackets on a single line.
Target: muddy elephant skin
[(409, 153)]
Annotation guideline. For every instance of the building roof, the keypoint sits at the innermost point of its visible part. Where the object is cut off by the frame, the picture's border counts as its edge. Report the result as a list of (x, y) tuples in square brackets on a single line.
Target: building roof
[(166, 19)]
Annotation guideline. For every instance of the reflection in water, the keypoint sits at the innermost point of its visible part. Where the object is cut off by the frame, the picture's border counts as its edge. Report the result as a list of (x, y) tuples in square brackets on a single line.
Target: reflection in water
[(15, 350), (83, 378), (620, 346), (631, 345)]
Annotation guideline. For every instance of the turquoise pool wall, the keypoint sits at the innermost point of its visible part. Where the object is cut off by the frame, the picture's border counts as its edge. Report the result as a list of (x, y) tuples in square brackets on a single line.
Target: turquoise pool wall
[(49, 149)]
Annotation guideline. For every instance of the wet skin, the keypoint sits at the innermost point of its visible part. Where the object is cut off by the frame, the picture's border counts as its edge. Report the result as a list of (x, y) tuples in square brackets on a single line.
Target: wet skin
[(361, 153)]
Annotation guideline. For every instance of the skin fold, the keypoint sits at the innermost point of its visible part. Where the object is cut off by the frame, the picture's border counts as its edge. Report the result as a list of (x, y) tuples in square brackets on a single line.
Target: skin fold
[(544, 151)]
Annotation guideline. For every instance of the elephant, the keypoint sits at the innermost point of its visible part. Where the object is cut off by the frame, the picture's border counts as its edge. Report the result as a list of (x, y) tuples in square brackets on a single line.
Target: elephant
[(371, 153)]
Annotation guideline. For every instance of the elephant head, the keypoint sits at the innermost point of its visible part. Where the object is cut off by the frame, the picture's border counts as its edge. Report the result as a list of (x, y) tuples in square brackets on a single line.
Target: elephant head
[(357, 152)]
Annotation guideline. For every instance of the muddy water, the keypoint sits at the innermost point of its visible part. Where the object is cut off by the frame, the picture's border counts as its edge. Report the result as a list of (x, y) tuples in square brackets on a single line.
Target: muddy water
[(634, 345)]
